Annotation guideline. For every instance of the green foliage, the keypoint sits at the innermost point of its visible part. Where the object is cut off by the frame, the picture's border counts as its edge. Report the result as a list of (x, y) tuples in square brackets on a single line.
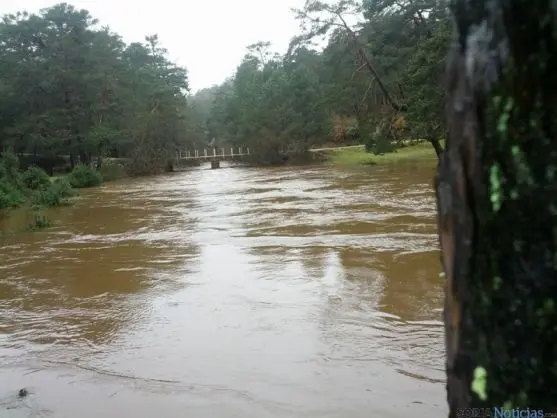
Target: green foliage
[(423, 80), (379, 144), (83, 176), (46, 197), (63, 188), (35, 178), (71, 88), (33, 185), (10, 194), (56, 194), (39, 222), (272, 104), (9, 169), (309, 97), (11, 190)]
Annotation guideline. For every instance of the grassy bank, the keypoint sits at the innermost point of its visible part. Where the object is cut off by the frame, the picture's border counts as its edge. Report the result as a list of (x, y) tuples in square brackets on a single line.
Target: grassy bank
[(422, 151)]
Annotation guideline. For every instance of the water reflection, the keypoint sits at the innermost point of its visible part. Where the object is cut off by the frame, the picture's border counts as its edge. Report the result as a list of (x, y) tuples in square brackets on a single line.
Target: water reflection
[(308, 292)]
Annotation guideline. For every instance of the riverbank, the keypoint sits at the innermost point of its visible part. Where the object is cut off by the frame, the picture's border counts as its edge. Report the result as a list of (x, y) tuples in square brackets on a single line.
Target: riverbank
[(357, 156), (32, 190)]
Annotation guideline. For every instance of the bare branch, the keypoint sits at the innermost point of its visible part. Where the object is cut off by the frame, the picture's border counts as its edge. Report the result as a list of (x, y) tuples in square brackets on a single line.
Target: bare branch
[(400, 91), (369, 87), (361, 67)]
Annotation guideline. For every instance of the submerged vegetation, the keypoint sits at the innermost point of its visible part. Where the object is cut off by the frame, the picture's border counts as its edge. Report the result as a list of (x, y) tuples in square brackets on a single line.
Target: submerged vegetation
[(35, 189), (83, 176), (33, 186)]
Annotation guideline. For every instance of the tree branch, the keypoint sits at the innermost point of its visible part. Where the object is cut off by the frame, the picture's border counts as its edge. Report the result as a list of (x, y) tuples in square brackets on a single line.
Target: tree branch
[(357, 71), (396, 106)]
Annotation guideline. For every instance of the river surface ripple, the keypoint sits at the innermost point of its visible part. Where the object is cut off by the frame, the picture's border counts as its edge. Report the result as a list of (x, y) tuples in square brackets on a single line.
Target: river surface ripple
[(238, 292)]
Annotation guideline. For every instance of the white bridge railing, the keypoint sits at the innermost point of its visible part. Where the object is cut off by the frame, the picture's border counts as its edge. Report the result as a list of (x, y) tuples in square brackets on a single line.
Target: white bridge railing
[(213, 153), (239, 152)]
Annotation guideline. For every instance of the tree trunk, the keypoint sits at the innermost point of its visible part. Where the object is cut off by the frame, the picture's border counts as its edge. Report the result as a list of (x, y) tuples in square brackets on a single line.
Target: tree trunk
[(497, 207), (99, 156), (84, 158), (436, 146)]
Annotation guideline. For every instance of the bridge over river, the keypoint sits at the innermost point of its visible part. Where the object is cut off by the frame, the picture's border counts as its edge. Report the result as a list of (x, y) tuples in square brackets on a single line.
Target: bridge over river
[(215, 155)]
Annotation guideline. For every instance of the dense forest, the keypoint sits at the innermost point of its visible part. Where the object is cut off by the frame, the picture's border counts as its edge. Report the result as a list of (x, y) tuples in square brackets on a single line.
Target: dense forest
[(376, 82), (70, 87)]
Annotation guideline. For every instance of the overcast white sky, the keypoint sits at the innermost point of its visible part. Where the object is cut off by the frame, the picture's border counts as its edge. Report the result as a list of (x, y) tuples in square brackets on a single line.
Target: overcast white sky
[(209, 37)]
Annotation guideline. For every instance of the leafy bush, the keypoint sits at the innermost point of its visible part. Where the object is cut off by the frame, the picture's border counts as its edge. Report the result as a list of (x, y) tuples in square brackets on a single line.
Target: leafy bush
[(9, 169), (10, 195), (84, 176), (35, 178), (63, 188), (378, 141), (55, 194), (33, 185)]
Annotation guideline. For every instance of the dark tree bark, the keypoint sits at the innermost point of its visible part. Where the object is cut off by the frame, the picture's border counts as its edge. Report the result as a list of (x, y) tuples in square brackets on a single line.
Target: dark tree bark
[(436, 146), (497, 206)]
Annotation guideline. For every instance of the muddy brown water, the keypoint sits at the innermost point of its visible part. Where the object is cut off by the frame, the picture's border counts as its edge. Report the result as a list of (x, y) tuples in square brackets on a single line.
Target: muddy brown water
[(239, 292)]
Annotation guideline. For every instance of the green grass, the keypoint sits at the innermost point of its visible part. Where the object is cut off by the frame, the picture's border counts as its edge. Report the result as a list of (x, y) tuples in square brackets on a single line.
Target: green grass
[(422, 151)]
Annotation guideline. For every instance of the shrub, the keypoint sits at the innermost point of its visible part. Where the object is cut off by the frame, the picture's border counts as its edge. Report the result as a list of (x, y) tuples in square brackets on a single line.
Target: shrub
[(378, 141), (33, 186), (55, 194), (63, 188), (39, 222), (47, 197), (35, 178), (10, 195), (9, 169), (84, 176)]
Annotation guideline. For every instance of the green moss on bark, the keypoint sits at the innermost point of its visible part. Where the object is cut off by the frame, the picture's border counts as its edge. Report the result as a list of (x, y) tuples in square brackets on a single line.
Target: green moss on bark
[(500, 164)]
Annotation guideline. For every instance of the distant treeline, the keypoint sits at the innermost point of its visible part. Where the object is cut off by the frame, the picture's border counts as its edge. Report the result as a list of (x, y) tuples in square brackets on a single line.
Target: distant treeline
[(71, 87)]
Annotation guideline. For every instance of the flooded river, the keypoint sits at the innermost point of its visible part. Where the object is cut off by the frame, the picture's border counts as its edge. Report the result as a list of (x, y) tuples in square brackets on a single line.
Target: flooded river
[(239, 292)]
